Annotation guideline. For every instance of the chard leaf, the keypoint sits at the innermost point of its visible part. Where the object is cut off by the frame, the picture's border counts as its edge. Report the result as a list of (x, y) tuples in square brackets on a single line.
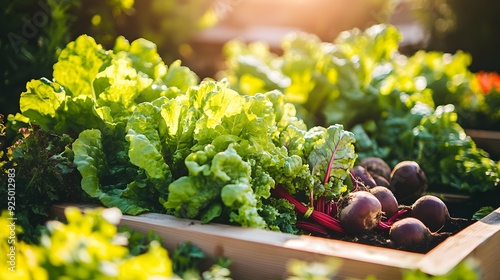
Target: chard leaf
[(332, 157)]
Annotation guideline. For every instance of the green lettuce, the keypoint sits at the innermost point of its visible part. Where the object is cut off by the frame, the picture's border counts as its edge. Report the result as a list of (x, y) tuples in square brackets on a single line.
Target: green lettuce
[(94, 88), (111, 177), (152, 138)]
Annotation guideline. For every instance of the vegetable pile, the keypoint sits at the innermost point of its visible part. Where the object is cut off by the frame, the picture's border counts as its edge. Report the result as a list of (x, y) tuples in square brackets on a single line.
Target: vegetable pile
[(373, 214)]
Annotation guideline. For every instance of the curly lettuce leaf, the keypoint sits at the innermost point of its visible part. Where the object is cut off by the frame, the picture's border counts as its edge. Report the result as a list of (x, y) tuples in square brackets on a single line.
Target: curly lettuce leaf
[(110, 177), (41, 102), (78, 64), (49, 105), (215, 179), (145, 146), (143, 56), (97, 88), (90, 160)]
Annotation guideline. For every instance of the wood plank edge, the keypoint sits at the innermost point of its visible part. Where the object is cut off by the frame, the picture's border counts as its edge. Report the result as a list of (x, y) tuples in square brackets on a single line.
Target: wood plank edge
[(469, 242), (455, 249)]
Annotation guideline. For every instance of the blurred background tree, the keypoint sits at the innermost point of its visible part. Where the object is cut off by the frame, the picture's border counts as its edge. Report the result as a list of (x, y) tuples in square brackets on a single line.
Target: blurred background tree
[(470, 26)]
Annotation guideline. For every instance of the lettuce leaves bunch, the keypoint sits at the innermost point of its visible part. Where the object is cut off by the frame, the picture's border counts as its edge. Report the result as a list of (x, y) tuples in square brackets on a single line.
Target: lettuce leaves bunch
[(98, 88), (152, 138)]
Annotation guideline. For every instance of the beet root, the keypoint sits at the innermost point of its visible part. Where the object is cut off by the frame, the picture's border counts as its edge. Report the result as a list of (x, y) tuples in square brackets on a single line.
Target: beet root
[(408, 182), (361, 176), (380, 181), (359, 212), (432, 211), (387, 199), (410, 234), (376, 165)]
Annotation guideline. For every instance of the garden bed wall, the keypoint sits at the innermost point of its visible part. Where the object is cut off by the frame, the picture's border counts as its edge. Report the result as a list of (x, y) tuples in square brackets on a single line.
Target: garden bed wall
[(261, 254)]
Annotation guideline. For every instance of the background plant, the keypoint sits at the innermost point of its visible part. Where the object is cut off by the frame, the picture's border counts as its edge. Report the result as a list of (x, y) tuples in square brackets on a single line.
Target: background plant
[(399, 107)]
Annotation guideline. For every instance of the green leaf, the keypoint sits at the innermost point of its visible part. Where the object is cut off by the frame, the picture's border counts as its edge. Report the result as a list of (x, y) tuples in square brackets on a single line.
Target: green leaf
[(145, 144), (110, 177), (180, 77), (90, 160), (41, 101), (332, 157), (78, 65), (482, 212)]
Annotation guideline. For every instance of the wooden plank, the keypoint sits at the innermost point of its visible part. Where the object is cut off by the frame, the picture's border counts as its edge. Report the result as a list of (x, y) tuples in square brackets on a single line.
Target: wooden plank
[(480, 240), (261, 254)]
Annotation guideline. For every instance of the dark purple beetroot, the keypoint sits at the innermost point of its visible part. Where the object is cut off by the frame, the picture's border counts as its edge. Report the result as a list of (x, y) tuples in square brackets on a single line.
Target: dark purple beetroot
[(387, 199), (410, 234), (359, 212), (376, 165), (380, 181), (362, 176), (432, 211), (408, 182)]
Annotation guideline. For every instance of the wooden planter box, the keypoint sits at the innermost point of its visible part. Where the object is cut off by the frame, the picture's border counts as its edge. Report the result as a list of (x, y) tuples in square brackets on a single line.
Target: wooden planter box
[(261, 254)]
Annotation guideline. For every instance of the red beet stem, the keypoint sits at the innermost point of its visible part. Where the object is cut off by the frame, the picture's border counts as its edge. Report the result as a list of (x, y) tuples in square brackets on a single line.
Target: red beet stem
[(312, 227), (320, 217), (320, 204), (396, 216), (330, 163), (386, 225)]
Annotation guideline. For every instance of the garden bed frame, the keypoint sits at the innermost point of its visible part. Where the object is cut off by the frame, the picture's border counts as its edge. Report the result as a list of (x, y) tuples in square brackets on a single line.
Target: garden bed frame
[(261, 254)]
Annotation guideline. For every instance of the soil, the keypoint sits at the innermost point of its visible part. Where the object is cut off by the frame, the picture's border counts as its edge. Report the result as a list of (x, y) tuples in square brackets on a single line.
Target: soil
[(381, 238)]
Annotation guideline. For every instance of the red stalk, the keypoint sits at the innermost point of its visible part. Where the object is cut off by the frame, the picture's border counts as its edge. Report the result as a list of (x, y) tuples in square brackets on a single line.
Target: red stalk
[(312, 227), (320, 217), (332, 209), (398, 214), (320, 204), (387, 224), (330, 163)]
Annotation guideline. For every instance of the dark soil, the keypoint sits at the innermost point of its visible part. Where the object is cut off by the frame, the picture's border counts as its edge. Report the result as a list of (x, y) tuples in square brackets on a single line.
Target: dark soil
[(381, 238)]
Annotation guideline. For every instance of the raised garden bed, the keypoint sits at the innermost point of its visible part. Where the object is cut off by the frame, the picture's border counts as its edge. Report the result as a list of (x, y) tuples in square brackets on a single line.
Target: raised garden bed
[(261, 254)]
